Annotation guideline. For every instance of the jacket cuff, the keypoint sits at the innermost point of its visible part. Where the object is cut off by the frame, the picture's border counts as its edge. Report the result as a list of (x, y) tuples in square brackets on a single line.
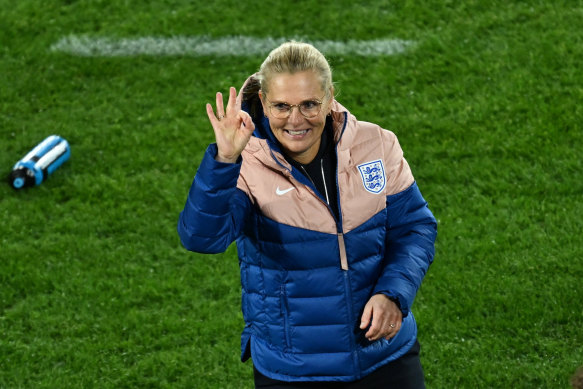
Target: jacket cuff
[(215, 174)]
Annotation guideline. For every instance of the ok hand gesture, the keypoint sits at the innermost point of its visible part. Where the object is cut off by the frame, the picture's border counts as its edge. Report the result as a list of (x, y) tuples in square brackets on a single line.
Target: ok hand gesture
[(233, 127)]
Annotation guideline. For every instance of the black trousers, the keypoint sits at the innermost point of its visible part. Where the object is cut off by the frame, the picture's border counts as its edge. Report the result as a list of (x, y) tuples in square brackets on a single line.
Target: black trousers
[(403, 373)]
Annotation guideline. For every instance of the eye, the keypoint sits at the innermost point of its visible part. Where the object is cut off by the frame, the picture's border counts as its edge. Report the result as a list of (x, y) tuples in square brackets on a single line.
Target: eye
[(283, 107), (310, 104)]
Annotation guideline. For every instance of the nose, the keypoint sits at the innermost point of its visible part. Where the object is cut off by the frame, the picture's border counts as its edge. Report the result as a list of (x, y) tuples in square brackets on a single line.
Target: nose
[(295, 115)]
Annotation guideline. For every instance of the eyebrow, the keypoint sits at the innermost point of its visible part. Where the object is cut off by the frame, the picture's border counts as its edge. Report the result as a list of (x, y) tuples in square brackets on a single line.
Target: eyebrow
[(285, 102)]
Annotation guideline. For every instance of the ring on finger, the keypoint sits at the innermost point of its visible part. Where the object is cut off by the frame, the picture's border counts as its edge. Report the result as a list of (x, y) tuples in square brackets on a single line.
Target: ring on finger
[(220, 117), (392, 325)]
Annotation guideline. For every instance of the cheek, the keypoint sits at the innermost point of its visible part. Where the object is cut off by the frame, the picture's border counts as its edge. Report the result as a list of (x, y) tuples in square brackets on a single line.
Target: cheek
[(276, 125), (318, 122)]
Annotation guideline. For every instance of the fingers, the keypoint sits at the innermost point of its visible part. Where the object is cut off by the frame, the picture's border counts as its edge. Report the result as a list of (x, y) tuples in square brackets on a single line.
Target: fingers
[(374, 332), (211, 114), (366, 315), (220, 107), (394, 330), (382, 328), (384, 317), (232, 104), (248, 124), (233, 128)]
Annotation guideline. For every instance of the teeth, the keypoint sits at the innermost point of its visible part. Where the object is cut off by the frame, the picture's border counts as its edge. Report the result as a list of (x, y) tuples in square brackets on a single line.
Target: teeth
[(301, 132)]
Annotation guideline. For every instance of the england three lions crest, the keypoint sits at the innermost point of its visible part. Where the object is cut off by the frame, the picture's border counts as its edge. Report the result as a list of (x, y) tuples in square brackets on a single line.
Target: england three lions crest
[(373, 176)]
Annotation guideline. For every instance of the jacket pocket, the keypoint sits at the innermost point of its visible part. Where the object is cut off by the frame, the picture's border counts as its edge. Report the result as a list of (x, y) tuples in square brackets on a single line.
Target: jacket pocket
[(285, 316)]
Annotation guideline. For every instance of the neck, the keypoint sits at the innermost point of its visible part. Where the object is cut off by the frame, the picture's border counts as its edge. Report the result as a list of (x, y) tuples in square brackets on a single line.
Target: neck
[(307, 156)]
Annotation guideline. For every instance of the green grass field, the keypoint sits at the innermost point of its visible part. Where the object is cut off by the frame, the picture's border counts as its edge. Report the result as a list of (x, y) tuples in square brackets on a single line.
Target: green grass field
[(96, 290)]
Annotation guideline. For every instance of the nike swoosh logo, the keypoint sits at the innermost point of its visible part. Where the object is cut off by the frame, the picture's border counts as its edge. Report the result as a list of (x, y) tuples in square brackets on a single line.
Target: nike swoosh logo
[(280, 192)]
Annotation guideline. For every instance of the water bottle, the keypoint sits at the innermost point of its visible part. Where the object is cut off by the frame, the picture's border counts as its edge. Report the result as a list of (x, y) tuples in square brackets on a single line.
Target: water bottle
[(40, 162)]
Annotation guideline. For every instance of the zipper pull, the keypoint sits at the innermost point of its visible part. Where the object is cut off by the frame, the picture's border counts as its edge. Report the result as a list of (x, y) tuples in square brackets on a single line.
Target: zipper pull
[(343, 256)]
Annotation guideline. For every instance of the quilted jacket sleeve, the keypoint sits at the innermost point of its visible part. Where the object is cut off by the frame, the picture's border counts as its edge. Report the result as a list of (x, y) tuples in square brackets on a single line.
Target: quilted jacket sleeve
[(410, 239), (215, 209)]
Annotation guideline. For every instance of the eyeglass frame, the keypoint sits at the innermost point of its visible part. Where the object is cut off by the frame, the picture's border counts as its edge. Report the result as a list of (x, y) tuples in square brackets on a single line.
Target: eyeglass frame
[(291, 106)]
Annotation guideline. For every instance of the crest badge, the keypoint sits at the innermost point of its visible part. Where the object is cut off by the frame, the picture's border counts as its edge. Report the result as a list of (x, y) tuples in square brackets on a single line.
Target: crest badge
[(373, 176)]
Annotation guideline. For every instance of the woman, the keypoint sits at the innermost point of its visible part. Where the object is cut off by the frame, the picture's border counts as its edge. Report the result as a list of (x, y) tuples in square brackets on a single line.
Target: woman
[(333, 235)]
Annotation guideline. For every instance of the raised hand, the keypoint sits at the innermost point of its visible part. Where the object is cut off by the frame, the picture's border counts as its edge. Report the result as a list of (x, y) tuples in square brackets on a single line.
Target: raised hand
[(233, 127)]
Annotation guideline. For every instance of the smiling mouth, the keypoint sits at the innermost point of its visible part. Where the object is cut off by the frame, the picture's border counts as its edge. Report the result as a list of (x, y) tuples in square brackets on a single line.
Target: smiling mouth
[(296, 132)]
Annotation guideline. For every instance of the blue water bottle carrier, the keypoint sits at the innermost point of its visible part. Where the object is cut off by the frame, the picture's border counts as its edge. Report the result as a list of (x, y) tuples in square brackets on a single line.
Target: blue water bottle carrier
[(40, 162)]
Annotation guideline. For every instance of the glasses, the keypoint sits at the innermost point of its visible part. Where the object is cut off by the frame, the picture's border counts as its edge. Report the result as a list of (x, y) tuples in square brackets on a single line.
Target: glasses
[(309, 108)]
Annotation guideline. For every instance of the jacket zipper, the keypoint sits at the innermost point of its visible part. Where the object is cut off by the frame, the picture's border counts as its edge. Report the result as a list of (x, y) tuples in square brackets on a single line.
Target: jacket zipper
[(341, 245), (344, 266), (324, 180), (342, 249)]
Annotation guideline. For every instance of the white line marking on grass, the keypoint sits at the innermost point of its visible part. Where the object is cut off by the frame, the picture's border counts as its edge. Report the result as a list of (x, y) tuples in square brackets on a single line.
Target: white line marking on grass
[(87, 46)]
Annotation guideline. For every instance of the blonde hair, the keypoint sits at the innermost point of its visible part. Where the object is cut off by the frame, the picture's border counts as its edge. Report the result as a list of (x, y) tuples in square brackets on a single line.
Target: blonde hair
[(293, 57)]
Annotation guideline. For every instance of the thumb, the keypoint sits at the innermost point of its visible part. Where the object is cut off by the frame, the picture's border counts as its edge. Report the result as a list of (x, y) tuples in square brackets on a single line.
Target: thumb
[(247, 122), (366, 316)]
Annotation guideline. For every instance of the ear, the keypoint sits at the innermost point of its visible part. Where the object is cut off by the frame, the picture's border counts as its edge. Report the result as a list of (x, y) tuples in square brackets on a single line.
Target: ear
[(330, 100)]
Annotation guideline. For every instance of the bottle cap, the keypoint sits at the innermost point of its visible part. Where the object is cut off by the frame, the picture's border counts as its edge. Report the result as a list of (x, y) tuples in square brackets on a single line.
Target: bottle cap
[(19, 179)]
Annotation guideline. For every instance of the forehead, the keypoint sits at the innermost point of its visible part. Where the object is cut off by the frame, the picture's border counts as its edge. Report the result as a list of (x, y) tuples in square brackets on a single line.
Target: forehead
[(294, 88)]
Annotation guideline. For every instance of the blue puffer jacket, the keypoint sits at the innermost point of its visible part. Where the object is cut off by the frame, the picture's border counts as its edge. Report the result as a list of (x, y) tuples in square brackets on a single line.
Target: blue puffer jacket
[(306, 276)]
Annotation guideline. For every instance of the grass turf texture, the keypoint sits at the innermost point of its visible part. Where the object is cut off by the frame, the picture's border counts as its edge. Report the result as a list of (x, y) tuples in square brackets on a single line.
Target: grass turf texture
[(96, 289)]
